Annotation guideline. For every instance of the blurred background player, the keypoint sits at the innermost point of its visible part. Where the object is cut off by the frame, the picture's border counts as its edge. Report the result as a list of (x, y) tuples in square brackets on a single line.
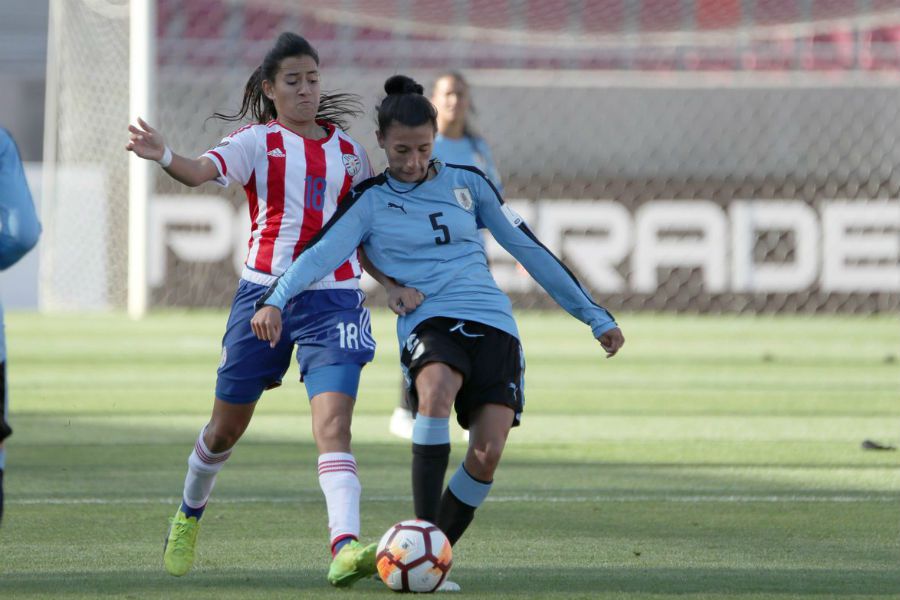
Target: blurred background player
[(19, 232), (294, 163), (419, 224), (458, 143)]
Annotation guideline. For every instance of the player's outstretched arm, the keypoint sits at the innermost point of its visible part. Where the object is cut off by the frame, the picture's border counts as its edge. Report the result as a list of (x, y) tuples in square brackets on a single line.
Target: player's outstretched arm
[(510, 230), (401, 299), (148, 143)]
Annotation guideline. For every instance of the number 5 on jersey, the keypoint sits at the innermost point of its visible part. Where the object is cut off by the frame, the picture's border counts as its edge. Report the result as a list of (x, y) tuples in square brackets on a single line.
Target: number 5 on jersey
[(445, 232)]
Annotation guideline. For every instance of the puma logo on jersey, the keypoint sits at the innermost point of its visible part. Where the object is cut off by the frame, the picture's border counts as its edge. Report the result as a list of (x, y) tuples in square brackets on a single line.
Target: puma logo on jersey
[(399, 206), (276, 153)]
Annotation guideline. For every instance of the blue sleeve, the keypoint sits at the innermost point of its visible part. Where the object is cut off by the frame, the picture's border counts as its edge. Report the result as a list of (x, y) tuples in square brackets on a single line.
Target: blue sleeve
[(337, 240), (19, 225), (510, 230)]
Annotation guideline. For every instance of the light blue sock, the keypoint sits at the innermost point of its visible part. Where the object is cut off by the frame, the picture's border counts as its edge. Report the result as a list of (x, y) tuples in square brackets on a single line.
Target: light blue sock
[(468, 489), (431, 431)]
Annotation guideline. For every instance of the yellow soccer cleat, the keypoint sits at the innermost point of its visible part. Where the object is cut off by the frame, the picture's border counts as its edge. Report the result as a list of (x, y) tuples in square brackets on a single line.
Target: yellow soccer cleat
[(178, 554), (352, 563)]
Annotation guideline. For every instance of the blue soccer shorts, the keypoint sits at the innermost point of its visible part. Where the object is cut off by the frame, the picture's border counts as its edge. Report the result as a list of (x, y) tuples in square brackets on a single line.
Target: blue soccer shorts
[(330, 329)]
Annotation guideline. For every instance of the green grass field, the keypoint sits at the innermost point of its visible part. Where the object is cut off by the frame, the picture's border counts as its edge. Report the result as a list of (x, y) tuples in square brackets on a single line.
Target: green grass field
[(716, 457)]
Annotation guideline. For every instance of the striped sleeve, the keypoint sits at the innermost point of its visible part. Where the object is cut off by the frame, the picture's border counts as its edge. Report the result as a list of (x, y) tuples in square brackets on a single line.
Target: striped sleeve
[(234, 156)]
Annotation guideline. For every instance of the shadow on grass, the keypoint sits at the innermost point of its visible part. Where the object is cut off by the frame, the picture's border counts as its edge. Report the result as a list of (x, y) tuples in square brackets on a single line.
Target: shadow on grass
[(513, 582), (145, 584)]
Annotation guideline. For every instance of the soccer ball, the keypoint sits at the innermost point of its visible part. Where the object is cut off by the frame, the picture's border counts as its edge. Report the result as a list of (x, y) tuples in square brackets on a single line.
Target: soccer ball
[(414, 556)]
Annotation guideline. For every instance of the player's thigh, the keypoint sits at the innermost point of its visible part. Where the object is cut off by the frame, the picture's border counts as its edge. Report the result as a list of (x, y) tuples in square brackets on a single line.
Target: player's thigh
[(437, 385), (332, 395), (434, 363), (249, 365), (497, 378), (330, 327)]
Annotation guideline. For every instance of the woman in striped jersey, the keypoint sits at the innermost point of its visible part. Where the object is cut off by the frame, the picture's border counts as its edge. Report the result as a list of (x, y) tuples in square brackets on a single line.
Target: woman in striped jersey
[(295, 163)]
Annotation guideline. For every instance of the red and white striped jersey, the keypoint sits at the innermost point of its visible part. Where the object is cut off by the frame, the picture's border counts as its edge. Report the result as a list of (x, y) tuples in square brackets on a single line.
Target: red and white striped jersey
[(293, 186)]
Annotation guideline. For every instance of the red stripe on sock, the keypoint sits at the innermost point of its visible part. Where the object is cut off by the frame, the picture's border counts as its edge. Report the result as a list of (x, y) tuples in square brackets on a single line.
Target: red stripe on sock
[(339, 538), (330, 464), (210, 460), (337, 470)]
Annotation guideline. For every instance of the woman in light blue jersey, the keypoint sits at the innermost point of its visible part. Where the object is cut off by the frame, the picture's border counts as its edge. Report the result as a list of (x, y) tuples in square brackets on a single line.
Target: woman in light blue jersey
[(457, 143), (418, 223), (19, 232)]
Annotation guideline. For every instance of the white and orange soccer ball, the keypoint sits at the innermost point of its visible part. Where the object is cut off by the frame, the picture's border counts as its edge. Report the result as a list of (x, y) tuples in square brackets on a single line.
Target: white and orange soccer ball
[(414, 556)]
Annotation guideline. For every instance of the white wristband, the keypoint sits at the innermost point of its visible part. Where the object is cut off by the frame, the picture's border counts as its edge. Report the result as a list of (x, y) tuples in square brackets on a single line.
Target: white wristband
[(166, 159)]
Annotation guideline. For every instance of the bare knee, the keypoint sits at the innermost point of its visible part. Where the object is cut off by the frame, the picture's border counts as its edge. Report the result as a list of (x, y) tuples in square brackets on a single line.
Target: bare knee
[(332, 431), (332, 413), (220, 436), (436, 395)]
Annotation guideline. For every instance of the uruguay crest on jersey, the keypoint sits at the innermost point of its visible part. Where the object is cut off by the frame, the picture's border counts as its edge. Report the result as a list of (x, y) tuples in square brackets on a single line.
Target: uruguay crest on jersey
[(463, 197)]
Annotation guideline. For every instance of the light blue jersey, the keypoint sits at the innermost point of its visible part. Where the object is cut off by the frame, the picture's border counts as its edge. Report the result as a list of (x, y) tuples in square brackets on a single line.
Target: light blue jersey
[(19, 225), (425, 236), (468, 150)]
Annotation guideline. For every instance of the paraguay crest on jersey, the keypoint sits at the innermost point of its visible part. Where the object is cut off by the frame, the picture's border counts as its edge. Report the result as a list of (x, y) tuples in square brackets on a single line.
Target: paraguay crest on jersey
[(352, 164), (463, 197)]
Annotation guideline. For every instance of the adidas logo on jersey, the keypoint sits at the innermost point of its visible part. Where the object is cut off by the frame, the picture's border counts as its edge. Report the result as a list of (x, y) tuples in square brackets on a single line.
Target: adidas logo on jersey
[(276, 153)]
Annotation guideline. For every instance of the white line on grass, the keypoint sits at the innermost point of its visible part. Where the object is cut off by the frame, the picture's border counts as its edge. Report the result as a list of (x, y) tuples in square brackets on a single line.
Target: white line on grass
[(523, 498)]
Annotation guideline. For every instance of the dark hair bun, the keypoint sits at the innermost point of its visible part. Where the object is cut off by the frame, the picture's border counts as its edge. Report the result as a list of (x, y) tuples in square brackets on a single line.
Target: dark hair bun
[(401, 84)]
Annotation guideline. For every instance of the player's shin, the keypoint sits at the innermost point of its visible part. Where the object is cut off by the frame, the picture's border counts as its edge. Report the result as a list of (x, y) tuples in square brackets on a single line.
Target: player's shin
[(203, 466), (463, 495), (431, 453)]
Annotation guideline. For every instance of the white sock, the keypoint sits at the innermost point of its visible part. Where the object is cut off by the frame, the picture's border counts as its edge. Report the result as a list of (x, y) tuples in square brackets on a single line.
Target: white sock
[(340, 484), (203, 466)]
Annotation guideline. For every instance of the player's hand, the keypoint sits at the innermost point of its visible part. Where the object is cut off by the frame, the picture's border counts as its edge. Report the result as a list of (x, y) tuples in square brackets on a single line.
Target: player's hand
[(612, 341), (145, 141), (266, 324), (403, 300)]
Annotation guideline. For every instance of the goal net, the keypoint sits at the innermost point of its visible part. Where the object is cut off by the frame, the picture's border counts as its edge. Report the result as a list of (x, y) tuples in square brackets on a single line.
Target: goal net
[(689, 155)]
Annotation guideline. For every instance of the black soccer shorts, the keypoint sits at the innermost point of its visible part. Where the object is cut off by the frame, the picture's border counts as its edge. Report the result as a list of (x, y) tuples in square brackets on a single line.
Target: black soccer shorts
[(491, 362)]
